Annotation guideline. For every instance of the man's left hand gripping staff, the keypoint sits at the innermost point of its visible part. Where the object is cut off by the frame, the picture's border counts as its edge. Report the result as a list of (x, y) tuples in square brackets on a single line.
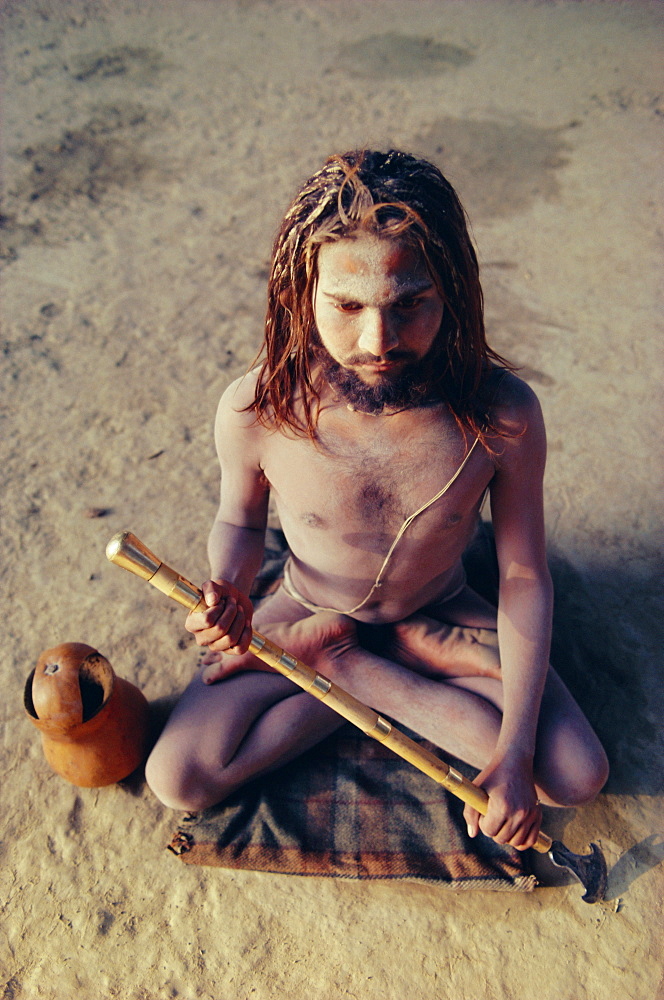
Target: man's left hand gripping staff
[(226, 625), (514, 815)]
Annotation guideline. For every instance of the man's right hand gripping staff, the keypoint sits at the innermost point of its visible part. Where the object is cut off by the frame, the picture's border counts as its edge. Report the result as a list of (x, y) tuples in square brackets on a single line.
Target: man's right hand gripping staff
[(226, 625)]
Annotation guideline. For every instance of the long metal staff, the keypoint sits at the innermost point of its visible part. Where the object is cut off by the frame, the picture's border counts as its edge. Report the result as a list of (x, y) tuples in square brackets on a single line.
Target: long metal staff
[(126, 550)]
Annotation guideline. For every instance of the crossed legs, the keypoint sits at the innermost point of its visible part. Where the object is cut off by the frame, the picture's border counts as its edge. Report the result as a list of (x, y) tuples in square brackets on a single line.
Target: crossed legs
[(431, 676)]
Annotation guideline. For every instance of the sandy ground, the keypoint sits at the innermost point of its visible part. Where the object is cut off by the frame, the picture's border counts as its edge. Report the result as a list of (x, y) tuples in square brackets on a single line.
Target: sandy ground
[(149, 149)]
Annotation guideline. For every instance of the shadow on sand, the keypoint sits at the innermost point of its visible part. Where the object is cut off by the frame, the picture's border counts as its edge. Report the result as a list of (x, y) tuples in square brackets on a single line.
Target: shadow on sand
[(604, 647)]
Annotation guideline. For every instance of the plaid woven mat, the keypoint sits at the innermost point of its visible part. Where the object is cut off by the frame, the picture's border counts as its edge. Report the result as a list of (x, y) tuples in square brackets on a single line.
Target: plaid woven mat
[(349, 808)]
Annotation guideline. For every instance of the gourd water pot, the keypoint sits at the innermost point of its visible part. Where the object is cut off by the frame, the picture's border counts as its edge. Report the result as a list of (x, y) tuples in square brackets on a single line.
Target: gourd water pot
[(94, 725)]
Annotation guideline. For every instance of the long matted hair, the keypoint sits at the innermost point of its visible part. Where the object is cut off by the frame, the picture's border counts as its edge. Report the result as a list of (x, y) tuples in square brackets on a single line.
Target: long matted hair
[(391, 195)]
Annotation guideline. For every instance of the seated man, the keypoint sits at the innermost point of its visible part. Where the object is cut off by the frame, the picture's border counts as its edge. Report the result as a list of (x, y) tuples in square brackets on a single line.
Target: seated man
[(378, 420)]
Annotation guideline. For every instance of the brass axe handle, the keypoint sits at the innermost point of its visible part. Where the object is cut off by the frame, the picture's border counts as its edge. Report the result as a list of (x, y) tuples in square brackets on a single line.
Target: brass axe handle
[(125, 550)]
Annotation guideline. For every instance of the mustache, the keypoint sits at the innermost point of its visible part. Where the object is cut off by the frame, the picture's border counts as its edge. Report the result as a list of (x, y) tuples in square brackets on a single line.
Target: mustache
[(373, 359)]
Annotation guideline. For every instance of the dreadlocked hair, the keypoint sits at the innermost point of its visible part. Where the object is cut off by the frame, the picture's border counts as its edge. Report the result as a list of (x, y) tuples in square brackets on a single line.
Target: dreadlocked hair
[(395, 196)]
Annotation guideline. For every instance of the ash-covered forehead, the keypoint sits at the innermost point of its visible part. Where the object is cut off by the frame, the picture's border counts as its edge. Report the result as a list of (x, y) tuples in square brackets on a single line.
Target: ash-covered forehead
[(371, 271)]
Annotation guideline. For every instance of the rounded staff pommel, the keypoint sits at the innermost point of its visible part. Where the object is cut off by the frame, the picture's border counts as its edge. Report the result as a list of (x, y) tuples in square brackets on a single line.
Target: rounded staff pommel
[(126, 550), (129, 552)]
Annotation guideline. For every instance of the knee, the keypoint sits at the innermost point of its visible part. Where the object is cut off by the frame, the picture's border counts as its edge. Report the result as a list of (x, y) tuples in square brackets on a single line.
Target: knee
[(181, 784), (583, 779), (593, 778)]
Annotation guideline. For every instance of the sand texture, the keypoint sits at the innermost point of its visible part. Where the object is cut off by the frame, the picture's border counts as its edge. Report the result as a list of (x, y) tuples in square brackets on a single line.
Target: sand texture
[(149, 149)]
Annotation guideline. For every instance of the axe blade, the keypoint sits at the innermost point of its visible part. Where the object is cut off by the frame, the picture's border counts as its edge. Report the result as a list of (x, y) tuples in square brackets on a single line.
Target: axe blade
[(589, 869)]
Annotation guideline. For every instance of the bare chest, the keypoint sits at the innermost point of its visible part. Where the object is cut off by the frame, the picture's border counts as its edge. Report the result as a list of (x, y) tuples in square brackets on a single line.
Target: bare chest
[(373, 481)]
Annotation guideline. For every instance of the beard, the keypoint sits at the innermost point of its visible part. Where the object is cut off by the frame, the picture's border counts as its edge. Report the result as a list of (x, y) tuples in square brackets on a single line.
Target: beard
[(414, 385)]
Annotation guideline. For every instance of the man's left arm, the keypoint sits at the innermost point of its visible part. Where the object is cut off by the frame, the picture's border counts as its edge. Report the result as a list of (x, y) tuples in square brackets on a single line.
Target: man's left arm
[(524, 620)]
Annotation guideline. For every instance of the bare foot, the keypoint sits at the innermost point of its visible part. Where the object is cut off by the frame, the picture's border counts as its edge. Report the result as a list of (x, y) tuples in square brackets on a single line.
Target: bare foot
[(434, 649), (317, 640)]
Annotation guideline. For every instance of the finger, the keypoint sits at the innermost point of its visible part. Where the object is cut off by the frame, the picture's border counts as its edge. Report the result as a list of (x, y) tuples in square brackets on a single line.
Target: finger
[(211, 593), (472, 818), (209, 636), (196, 624), (199, 621), (494, 829), (527, 835), (225, 620), (514, 830), (231, 624), (230, 641), (237, 626), (498, 826), (243, 645)]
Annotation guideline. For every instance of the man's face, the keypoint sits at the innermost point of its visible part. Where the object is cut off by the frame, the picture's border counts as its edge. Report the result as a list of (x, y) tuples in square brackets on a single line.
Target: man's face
[(378, 314)]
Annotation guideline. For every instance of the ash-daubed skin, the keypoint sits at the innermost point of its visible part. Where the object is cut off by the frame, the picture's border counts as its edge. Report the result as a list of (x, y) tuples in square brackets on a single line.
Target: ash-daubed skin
[(378, 456)]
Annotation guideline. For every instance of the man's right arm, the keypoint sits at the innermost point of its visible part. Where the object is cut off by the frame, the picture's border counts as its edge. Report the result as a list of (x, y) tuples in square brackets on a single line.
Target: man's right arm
[(235, 545)]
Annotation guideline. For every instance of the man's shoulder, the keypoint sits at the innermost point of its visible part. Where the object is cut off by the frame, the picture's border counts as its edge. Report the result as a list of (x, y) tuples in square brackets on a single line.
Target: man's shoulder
[(504, 389), (236, 423), (513, 407), (235, 405)]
